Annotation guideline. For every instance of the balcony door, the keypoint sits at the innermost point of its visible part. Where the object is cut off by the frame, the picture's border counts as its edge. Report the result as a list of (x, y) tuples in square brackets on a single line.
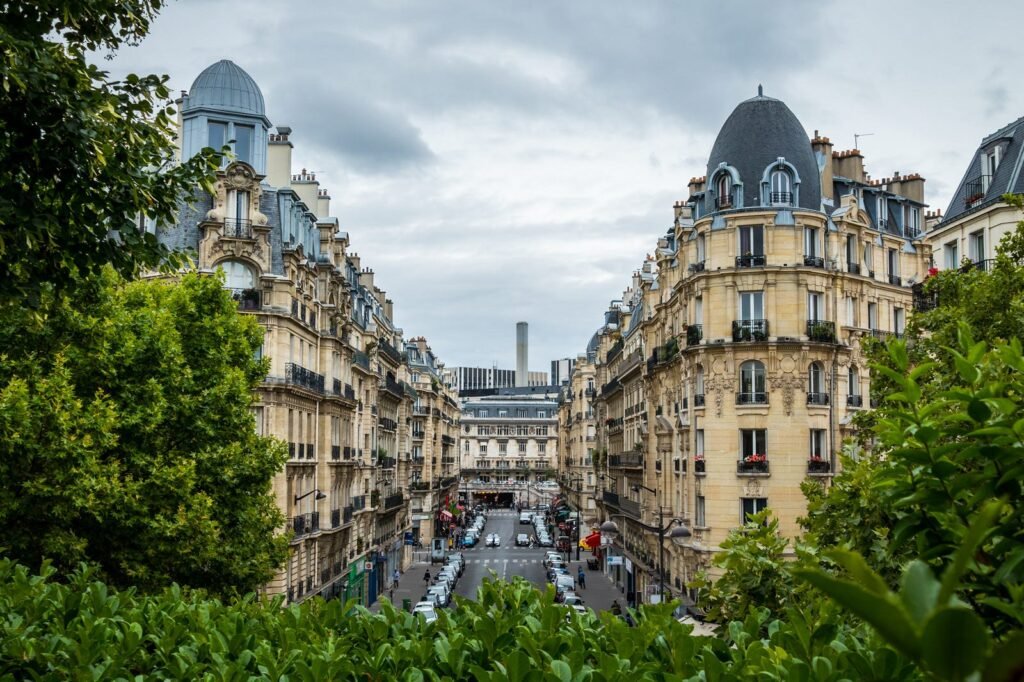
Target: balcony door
[(815, 306), (751, 240), (751, 305)]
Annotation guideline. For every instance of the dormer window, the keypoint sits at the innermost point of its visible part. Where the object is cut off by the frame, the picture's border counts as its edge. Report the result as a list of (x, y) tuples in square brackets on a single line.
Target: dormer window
[(781, 188), (724, 188), (990, 162)]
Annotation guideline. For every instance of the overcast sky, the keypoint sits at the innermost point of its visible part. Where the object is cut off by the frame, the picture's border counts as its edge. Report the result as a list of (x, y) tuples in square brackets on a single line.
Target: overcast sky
[(505, 161)]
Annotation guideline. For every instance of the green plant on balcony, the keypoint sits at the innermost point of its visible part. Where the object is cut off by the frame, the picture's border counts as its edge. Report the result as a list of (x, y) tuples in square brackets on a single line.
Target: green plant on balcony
[(693, 335), (381, 453), (374, 498), (821, 331), (360, 545), (671, 348)]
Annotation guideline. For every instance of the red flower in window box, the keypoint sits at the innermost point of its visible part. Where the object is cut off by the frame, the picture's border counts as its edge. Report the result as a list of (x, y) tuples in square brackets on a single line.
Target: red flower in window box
[(755, 458), (932, 272)]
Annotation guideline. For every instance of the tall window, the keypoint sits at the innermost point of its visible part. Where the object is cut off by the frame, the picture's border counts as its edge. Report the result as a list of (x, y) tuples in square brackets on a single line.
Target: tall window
[(882, 211), (502, 448), (869, 260), (913, 221), (752, 305), (951, 250), (752, 380), (782, 191), (898, 320), (811, 247), (851, 311), (817, 444), (698, 310), (752, 240), (894, 263), (851, 254), (237, 207), (237, 275), (701, 248), (853, 381), (542, 447), (815, 379), (699, 388), (699, 446), (218, 134), (872, 316), (753, 442), (976, 246), (815, 306), (244, 142), (522, 447), (751, 506), (724, 190), (700, 520)]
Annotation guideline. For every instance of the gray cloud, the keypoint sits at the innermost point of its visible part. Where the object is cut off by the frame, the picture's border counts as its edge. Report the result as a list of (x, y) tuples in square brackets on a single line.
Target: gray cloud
[(504, 161)]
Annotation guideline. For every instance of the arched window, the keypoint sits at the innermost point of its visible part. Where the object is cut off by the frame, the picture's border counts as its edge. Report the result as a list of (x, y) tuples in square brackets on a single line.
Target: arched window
[(237, 275), (816, 394), (724, 189), (781, 188), (752, 383)]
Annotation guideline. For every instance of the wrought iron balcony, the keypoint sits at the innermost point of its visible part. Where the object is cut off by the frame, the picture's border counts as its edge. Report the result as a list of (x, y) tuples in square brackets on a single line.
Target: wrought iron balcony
[(854, 401), (723, 202), (350, 392), (817, 398), (610, 498), (750, 330), (698, 400), (982, 265), (821, 330), (853, 268), (752, 466), (300, 376), (237, 228), (698, 465), (310, 453), (335, 452), (817, 465), (626, 460), (752, 398), (896, 280), (393, 501), (975, 190), (247, 299), (783, 198), (750, 261), (335, 518), (697, 267), (814, 261)]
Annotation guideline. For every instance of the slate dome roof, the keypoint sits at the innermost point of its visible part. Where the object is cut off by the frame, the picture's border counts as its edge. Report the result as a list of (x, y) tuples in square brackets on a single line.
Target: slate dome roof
[(757, 132), (225, 86)]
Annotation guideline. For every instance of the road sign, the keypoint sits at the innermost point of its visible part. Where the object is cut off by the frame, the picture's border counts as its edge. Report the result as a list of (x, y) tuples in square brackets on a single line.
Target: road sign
[(368, 566)]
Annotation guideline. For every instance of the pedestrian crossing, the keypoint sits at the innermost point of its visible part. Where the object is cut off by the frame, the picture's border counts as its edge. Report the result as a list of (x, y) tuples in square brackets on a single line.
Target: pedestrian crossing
[(503, 561)]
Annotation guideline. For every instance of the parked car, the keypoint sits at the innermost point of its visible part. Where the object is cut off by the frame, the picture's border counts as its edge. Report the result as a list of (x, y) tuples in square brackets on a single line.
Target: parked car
[(522, 540), (425, 609), (444, 596), (525, 517), (550, 556), (571, 598), (431, 598), (563, 584), (469, 540)]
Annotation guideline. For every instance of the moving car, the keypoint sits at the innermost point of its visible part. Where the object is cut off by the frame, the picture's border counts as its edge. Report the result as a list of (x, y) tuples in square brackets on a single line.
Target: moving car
[(522, 540), (425, 609), (493, 540), (525, 517), (469, 540)]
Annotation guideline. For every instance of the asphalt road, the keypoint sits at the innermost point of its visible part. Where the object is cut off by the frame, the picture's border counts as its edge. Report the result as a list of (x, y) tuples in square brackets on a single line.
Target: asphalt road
[(504, 561)]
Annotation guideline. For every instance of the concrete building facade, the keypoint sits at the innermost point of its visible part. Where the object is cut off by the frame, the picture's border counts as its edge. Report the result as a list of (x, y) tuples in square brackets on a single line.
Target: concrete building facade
[(340, 392), (731, 366)]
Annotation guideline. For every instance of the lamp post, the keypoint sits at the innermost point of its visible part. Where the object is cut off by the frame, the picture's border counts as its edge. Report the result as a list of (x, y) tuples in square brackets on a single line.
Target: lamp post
[(578, 480), (679, 536), (319, 495)]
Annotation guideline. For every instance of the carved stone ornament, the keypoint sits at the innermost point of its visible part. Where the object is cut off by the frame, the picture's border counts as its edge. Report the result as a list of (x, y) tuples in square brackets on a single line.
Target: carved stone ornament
[(239, 176), (753, 488), (718, 384), (786, 384)]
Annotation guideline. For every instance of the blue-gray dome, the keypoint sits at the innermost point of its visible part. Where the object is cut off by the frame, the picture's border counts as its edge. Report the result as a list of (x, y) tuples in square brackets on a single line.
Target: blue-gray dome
[(756, 134), (224, 86)]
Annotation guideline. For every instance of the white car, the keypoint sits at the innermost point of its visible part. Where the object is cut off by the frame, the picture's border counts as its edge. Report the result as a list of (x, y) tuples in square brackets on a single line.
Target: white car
[(493, 540), (444, 597), (427, 610), (431, 598)]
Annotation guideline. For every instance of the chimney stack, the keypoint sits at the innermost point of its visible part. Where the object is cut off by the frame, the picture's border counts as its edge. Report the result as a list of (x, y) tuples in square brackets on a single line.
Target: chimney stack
[(522, 354)]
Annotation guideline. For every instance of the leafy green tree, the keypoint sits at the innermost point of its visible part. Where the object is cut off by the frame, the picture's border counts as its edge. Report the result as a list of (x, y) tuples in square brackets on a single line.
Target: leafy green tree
[(82, 155), (127, 440)]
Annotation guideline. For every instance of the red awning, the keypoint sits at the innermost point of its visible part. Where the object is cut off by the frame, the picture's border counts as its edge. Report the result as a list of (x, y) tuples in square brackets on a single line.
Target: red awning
[(445, 515), (591, 541)]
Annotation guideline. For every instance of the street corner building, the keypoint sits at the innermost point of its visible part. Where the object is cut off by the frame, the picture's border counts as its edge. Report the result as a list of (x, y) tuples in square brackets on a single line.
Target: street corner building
[(369, 423), (728, 372)]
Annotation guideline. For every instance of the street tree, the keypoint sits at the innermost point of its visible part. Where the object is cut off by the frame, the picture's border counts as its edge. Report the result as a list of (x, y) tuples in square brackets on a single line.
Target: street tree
[(127, 438)]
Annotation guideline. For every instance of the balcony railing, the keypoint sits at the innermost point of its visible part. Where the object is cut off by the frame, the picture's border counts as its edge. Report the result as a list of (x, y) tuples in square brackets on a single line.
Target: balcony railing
[(814, 398), (302, 524), (821, 330), (781, 198), (749, 466), (391, 352), (388, 424), (975, 189), (417, 433), (392, 501), (723, 202), (982, 265), (814, 261), (630, 507), (628, 460), (335, 452), (609, 497), (310, 453), (817, 465), (300, 376), (698, 465), (350, 392), (750, 261), (750, 330), (248, 299), (896, 280), (394, 388), (694, 334), (335, 518), (752, 398), (697, 267), (698, 400), (853, 268), (386, 462), (362, 359), (855, 401), (237, 228)]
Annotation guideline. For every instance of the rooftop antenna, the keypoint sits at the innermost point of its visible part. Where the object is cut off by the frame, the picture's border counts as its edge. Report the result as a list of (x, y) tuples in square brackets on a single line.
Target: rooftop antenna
[(856, 139), (760, 90)]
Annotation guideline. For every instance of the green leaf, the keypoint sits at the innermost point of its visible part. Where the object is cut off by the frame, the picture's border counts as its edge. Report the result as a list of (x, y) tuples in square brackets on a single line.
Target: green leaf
[(1007, 661), (972, 539), (883, 613), (919, 590), (954, 643), (859, 570), (978, 410)]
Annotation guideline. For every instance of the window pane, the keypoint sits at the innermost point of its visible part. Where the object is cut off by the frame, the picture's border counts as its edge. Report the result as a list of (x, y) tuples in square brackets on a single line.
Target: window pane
[(218, 133), (243, 143)]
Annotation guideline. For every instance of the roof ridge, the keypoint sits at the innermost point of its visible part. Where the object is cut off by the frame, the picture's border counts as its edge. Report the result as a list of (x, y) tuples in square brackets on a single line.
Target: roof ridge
[(1000, 132)]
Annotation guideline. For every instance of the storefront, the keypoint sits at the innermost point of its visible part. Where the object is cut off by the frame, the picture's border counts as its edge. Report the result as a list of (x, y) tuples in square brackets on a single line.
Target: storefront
[(355, 587)]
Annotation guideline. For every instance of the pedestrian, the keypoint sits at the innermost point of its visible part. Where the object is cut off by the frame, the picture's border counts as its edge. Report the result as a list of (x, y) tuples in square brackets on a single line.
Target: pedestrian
[(616, 608), (426, 577), (395, 576), (581, 578)]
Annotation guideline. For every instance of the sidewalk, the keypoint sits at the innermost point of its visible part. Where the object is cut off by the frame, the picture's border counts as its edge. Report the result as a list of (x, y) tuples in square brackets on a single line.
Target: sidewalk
[(410, 586)]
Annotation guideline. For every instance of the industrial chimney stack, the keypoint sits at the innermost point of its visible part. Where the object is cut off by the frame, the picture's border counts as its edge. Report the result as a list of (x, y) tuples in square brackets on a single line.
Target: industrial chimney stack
[(522, 354)]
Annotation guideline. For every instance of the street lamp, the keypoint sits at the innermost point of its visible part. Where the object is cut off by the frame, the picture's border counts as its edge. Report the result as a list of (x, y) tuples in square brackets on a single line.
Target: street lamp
[(578, 480), (319, 495)]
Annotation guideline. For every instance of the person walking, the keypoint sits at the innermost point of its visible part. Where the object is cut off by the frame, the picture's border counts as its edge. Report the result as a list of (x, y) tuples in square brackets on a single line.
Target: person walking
[(426, 578), (581, 578), (395, 576), (616, 608)]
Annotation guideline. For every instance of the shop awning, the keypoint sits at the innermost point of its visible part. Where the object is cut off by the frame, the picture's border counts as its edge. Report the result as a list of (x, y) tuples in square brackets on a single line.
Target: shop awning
[(445, 515), (591, 541)]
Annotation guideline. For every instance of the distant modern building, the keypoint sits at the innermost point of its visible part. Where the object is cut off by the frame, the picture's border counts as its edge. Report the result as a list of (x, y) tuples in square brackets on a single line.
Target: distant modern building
[(561, 371), (477, 378), (977, 217), (508, 442)]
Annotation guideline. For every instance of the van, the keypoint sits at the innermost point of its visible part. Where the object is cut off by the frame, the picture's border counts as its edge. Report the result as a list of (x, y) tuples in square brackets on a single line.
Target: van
[(438, 549)]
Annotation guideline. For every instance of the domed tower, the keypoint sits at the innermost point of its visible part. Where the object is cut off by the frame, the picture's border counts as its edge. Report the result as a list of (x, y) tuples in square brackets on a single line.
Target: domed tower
[(225, 106), (761, 158)]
